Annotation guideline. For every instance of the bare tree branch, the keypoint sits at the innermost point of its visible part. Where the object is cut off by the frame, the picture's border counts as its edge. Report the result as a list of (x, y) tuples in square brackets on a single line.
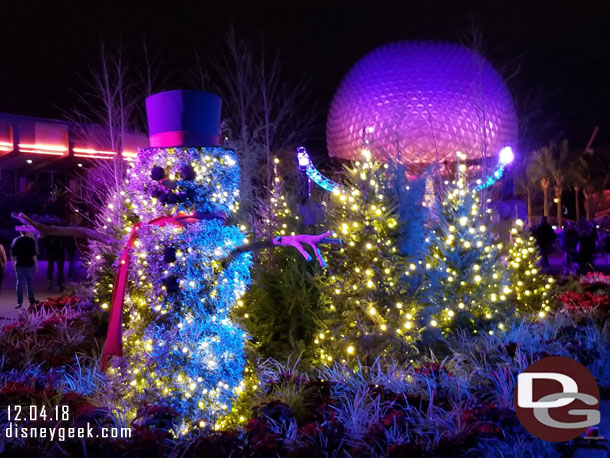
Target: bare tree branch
[(266, 113)]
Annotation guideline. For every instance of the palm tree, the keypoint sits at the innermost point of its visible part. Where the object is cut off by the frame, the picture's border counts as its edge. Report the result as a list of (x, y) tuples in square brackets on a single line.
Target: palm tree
[(550, 164), (559, 170), (537, 169), (526, 180), (595, 178), (577, 179)]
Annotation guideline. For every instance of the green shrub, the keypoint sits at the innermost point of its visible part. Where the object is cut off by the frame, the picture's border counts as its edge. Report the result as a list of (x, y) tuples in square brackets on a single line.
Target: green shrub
[(281, 309)]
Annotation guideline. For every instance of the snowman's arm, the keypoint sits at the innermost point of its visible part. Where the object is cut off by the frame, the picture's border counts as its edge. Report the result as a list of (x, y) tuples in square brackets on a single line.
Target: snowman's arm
[(256, 246), (65, 231), (295, 241)]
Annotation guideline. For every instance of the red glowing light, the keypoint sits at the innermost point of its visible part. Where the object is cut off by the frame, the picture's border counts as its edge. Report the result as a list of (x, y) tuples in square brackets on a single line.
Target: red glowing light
[(86, 152), (38, 148), (37, 151), (6, 146), (92, 156), (60, 150), (41, 146), (91, 153)]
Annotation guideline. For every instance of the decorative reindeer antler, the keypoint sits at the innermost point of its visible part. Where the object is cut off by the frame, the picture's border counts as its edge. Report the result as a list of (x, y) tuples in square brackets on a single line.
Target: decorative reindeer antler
[(297, 242)]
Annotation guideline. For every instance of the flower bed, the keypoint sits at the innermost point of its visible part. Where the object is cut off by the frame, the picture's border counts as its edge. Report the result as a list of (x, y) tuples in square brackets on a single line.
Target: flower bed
[(590, 300), (444, 405)]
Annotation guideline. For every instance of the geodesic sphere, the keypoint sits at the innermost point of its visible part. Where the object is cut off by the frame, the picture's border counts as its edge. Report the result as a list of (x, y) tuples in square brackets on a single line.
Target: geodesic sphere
[(421, 102)]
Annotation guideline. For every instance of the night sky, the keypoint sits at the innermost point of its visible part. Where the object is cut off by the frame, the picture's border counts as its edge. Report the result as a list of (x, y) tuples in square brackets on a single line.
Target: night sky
[(562, 48)]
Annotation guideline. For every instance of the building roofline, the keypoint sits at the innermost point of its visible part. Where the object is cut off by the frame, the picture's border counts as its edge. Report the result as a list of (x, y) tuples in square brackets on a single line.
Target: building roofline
[(64, 122)]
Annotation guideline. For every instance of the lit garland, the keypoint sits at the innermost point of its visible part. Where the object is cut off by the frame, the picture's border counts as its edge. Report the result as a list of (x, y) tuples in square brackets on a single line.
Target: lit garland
[(505, 157), (314, 175)]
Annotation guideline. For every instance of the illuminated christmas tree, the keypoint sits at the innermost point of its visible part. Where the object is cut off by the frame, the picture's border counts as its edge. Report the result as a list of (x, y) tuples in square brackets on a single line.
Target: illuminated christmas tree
[(276, 212), (366, 312), (530, 288), (463, 280)]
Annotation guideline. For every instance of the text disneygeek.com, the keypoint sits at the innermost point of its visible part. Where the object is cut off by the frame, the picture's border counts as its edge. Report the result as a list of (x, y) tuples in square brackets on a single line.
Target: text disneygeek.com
[(61, 433)]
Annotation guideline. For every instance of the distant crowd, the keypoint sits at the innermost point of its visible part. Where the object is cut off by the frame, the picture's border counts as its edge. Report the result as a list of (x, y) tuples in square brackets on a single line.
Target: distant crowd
[(580, 243)]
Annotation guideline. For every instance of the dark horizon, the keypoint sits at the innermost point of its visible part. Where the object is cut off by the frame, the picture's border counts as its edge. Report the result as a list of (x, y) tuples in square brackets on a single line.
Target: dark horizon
[(560, 48)]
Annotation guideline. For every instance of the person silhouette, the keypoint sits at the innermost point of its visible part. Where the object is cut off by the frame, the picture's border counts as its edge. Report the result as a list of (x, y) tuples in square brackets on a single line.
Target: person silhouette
[(545, 237), (25, 261)]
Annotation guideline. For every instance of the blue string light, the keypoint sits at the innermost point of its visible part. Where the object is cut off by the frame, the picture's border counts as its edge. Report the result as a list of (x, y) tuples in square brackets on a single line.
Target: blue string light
[(505, 157), (312, 173)]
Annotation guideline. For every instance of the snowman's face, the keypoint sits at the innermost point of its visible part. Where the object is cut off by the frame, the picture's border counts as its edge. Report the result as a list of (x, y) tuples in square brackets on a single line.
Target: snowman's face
[(168, 181)]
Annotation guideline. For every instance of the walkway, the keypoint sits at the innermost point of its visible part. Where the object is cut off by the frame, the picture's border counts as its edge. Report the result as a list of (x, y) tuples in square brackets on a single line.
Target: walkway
[(8, 297)]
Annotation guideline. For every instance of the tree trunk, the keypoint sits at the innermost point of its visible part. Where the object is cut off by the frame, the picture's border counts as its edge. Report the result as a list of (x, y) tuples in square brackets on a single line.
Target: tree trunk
[(559, 212), (577, 201), (587, 205), (545, 190), (529, 206), (267, 128)]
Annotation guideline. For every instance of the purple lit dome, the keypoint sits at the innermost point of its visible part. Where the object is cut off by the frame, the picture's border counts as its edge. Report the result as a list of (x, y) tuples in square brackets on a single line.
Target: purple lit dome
[(419, 102)]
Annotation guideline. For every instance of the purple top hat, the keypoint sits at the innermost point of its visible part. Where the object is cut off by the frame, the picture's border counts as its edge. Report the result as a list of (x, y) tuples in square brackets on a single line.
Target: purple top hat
[(183, 118)]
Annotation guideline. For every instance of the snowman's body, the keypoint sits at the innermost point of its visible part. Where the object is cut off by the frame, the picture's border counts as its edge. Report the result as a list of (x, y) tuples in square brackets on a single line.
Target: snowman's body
[(180, 345)]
